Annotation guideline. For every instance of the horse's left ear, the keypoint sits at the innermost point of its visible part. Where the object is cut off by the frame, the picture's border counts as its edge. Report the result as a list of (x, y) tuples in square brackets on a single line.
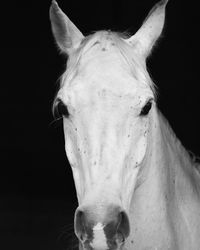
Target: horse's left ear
[(145, 38), (67, 35)]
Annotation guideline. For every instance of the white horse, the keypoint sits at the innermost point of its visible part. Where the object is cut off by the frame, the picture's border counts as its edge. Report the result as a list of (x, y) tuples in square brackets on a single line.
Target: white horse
[(137, 186)]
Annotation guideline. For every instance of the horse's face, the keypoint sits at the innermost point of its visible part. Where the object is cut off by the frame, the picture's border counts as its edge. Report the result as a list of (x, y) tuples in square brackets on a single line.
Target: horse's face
[(106, 132), (106, 135), (109, 102)]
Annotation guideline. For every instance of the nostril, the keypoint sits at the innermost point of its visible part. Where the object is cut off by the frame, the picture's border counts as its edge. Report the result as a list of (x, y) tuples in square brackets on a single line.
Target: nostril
[(123, 228), (79, 224)]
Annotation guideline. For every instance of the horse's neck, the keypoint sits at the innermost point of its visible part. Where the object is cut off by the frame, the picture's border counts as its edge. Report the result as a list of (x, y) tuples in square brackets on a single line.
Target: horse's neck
[(168, 183), (167, 160), (181, 173)]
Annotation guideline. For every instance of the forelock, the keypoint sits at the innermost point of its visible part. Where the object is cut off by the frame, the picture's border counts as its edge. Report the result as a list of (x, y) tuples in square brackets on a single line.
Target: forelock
[(136, 64)]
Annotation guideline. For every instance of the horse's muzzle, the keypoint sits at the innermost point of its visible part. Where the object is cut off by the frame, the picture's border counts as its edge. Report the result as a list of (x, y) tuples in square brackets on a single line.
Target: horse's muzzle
[(101, 232)]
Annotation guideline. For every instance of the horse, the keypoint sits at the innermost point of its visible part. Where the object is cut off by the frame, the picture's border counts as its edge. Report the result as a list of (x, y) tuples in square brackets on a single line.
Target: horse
[(137, 187)]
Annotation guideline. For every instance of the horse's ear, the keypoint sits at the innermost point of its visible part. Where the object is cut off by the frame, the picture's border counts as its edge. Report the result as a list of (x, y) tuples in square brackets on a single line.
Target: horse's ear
[(67, 35), (145, 38)]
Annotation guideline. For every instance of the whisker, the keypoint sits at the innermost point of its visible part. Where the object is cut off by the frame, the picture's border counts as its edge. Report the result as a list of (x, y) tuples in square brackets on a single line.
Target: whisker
[(67, 237), (69, 227), (56, 121)]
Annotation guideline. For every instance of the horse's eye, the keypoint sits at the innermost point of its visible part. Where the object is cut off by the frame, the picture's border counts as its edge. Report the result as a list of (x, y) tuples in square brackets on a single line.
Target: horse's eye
[(61, 109), (145, 110)]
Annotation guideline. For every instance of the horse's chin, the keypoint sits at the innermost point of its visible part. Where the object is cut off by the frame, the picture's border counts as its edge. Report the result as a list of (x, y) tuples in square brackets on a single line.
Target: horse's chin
[(113, 247)]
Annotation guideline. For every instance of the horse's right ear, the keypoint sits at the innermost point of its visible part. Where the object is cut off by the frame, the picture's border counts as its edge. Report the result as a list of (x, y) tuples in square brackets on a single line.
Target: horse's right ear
[(146, 37), (67, 35)]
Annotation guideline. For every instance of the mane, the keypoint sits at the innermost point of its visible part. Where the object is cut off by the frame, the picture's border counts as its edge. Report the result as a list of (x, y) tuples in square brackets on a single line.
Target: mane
[(187, 156)]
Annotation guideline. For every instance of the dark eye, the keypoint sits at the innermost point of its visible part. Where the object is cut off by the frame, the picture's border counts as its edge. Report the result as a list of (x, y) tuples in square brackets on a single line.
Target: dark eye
[(60, 109), (145, 110)]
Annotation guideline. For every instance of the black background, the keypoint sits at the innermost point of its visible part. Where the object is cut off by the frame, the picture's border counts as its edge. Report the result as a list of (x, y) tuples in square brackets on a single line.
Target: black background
[(37, 194)]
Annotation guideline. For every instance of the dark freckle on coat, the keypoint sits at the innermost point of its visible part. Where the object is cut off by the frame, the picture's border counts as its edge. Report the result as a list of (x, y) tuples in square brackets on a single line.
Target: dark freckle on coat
[(132, 241), (103, 49)]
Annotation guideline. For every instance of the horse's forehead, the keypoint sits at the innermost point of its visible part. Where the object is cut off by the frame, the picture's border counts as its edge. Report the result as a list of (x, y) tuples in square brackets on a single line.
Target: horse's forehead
[(106, 58), (105, 85), (106, 90), (103, 69), (105, 79)]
